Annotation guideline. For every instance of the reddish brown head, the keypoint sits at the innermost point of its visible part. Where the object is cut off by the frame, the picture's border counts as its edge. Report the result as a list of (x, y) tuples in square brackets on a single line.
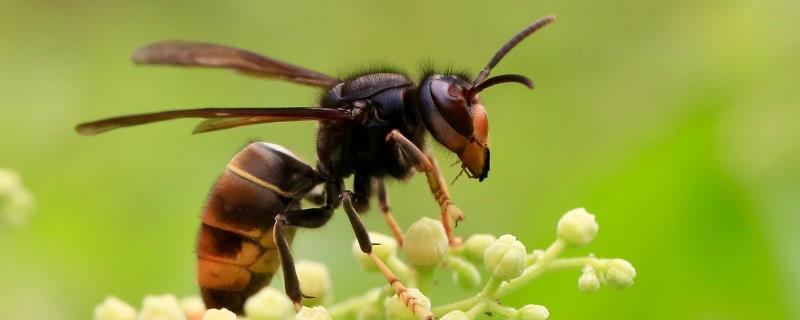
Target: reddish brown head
[(454, 114)]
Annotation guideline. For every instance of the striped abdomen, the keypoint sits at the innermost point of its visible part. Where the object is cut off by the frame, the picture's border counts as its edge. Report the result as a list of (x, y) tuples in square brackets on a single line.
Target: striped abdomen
[(236, 255)]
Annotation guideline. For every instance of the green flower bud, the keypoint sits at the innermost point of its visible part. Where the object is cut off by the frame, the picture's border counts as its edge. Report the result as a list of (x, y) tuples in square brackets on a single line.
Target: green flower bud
[(465, 274), (619, 273), (193, 307), (533, 312), (314, 282), (164, 307), (425, 243), (577, 227), (315, 313), (475, 246), (396, 308), (505, 258), (588, 281), (219, 314), (268, 304), (387, 247), (113, 308), (456, 315)]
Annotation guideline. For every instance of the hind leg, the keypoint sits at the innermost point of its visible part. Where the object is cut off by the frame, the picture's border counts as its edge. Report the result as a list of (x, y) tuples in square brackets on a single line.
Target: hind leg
[(304, 218)]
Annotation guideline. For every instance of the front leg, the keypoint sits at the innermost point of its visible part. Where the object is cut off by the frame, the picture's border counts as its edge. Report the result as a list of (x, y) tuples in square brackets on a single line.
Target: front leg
[(424, 162)]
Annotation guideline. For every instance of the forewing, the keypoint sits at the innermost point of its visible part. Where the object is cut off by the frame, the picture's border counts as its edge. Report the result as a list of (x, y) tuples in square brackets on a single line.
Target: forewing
[(222, 118), (187, 53)]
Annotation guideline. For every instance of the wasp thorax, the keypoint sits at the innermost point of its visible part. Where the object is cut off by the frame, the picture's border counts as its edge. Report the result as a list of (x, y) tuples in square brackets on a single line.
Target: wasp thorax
[(456, 119)]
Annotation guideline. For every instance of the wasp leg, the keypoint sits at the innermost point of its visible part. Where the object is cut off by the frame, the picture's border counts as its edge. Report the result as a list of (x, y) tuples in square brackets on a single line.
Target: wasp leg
[(363, 186), (383, 200), (424, 162), (304, 218), (366, 246)]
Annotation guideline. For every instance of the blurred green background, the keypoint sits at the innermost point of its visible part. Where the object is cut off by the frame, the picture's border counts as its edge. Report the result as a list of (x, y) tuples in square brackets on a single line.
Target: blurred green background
[(675, 122)]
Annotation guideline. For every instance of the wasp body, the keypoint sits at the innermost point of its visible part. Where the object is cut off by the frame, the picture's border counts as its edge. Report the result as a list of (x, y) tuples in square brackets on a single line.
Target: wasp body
[(236, 252), (372, 126)]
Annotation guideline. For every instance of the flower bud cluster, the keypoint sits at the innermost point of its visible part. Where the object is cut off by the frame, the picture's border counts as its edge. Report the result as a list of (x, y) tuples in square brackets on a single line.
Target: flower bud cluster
[(618, 273), (505, 259)]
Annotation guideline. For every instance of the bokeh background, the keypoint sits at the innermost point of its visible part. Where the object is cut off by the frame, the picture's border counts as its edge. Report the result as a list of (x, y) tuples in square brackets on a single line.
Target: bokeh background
[(675, 122)]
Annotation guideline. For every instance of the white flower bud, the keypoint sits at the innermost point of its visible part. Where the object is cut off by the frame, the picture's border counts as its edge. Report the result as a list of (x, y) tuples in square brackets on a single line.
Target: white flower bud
[(315, 313), (396, 308), (425, 243), (619, 273), (193, 307), (588, 281), (476, 245), (268, 304), (577, 227), (219, 314), (164, 307), (387, 247), (314, 282), (466, 275), (16, 202), (113, 308), (505, 258), (533, 312), (456, 315)]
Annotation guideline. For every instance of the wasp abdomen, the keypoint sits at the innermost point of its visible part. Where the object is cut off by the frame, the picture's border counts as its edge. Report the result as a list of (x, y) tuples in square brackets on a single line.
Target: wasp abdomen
[(236, 254)]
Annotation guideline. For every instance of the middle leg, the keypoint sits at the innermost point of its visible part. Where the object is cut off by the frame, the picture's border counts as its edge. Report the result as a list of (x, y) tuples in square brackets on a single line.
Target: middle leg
[(364, 242)]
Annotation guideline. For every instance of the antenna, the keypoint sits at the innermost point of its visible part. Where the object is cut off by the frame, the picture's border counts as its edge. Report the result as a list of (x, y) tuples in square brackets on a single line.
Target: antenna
[(516, 39)]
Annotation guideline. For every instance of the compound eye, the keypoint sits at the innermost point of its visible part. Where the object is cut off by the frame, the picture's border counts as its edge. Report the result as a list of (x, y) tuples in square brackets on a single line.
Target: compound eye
[(450, 100)]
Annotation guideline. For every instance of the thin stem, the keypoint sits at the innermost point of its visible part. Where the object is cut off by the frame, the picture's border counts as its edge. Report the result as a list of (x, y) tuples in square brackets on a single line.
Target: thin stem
[(424, 279), (491, 288), (533, 271), (508, 312), (571, 263), (353, 305), (399, 267), (476, 310), (458, 305)]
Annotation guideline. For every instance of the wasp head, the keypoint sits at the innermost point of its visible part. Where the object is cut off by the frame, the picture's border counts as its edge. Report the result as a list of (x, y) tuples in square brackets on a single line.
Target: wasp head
[(454, 114)]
